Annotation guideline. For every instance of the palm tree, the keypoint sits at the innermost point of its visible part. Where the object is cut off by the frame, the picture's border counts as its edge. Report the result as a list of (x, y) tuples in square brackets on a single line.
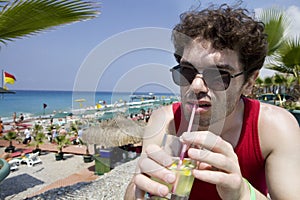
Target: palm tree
[(268, 82), (279, 80), (38, 136), (289, 57), (290, 80), (284, 54), (61, 141), (10, 136), (276, 27), (20, 18), (259, 83)]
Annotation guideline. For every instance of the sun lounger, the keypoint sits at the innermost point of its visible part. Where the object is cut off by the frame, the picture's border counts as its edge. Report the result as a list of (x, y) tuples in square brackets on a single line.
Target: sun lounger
[(32, 159), (14, 164)]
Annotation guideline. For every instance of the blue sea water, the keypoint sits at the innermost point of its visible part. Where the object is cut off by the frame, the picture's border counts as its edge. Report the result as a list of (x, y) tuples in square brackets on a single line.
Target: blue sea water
[(30, 102)]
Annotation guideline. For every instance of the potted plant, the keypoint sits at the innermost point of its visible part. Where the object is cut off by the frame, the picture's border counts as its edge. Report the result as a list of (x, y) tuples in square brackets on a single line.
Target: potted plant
[(75, 128), (61, 140), (10, 136), (87, 157), (38, 137)]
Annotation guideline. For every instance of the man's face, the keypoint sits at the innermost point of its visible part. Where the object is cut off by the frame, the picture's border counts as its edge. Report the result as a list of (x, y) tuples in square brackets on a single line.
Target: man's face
[(212, 105)]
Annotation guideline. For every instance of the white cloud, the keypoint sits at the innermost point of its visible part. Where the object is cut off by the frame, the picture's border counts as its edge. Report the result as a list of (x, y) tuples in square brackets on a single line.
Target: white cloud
[(293, 12)]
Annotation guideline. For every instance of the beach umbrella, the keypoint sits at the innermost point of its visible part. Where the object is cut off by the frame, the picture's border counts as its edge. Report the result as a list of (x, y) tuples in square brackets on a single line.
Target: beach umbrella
[(80, 102), (115, 133)]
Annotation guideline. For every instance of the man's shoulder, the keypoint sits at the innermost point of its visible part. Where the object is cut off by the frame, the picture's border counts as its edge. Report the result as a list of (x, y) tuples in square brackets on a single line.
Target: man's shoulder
[(276, 124), (271, 114), (162, 117), (164, 110)]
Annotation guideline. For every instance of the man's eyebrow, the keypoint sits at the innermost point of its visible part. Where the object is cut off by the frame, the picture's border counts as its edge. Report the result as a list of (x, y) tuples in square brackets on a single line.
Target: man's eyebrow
[(219, 66), (186, 63), (225, 66)]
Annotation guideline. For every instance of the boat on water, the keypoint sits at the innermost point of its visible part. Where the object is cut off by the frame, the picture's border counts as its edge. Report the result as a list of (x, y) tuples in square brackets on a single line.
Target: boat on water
[(134, 106), (143, 97)]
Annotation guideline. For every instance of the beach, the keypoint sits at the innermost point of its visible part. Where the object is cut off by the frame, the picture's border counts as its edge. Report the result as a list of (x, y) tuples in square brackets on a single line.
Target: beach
[(110, 186), (31, 182), (26, 181), (117, 126)]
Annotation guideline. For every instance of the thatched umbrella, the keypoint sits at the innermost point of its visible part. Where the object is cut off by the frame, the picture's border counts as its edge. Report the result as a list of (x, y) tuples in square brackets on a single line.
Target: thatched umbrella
[(114, 133)]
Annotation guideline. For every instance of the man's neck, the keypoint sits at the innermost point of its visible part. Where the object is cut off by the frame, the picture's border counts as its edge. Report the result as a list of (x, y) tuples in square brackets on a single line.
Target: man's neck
[(230, 128)]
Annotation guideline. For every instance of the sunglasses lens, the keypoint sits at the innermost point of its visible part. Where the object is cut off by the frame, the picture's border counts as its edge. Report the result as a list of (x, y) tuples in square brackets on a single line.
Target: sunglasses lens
[(183, 76), (218, 80)]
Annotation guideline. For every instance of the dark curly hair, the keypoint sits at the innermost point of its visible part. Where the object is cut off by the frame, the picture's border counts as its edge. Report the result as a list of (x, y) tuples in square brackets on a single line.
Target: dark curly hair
[(225, 27)]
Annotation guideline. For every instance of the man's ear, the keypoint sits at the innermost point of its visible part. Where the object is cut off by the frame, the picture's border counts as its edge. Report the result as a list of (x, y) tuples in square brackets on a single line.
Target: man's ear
[(248, 86)]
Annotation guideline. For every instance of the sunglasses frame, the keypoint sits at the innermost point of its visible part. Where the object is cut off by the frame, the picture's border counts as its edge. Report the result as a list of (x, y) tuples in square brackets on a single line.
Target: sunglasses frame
[(178, 67)]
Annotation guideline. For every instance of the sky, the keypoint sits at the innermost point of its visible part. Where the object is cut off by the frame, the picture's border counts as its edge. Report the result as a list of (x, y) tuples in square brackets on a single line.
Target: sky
[(127, 47)]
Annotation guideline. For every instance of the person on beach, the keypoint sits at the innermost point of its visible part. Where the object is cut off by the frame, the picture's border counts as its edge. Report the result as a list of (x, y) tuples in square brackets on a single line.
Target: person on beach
[(21, 118), (54, 134), (244, 149), (1, 127), (27, 138), (14, 117)]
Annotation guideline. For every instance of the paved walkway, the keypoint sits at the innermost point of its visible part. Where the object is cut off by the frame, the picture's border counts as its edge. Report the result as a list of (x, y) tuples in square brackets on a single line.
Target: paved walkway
[(85, 175)]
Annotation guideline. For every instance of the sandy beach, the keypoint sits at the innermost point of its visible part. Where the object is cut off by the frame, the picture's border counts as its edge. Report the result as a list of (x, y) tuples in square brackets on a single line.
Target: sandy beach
[(51, 178), (27, 181), (72, 178)]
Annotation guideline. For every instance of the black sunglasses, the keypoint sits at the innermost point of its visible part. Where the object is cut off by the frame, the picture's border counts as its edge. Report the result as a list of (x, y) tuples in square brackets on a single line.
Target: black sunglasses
[(215, 79)]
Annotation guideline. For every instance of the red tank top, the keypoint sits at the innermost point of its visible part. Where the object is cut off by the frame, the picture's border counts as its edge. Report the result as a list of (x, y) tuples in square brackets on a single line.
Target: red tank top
[(252, 163)]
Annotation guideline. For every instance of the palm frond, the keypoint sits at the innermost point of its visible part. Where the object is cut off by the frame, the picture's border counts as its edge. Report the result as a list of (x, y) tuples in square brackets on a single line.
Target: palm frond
[(276, 27), (290, 52), (268, 80), (281, 68), (24, 18)]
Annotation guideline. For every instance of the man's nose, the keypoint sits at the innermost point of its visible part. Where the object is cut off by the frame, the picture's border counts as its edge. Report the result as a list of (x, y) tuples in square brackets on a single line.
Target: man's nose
[(198, 85)]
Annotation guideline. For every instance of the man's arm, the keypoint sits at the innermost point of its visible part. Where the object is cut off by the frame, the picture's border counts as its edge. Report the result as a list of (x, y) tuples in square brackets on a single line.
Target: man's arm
[(280, 135), (157, 126)]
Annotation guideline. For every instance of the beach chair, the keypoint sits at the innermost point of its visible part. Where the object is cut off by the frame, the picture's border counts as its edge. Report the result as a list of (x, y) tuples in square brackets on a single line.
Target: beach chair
[(14, 164), (32, 159)]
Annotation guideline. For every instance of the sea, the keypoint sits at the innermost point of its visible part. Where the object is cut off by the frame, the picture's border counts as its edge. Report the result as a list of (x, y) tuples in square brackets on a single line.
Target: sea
[(37, 103)]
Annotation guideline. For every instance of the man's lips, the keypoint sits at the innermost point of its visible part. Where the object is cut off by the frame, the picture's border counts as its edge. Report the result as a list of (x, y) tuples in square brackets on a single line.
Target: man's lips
[(201, 106)]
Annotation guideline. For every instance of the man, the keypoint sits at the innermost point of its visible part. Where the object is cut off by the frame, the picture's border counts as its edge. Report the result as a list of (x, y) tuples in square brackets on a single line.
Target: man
[(27, 138), (1, 127), (245, 149)]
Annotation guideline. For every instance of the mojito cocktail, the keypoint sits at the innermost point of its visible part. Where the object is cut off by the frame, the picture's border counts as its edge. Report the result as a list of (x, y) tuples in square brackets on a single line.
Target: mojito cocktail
[(184, 180)]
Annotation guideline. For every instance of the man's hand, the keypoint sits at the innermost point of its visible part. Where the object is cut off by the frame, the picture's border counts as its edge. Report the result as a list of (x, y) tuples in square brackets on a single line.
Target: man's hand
[(153, 165), (218, 164)]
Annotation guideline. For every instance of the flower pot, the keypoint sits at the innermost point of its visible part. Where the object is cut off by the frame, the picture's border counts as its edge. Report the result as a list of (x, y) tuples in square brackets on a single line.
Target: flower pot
[(37, 150), (10, 149), (59, 156), (88, 158)]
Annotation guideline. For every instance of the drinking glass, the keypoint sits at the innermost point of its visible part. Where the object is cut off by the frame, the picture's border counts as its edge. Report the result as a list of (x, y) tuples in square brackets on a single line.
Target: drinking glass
[(182, 186)]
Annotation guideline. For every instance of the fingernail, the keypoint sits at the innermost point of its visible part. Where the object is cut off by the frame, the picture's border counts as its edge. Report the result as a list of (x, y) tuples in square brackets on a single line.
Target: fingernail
[(167, 161), (163, 190), (188, 137), (170, 178), (193, 152)]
